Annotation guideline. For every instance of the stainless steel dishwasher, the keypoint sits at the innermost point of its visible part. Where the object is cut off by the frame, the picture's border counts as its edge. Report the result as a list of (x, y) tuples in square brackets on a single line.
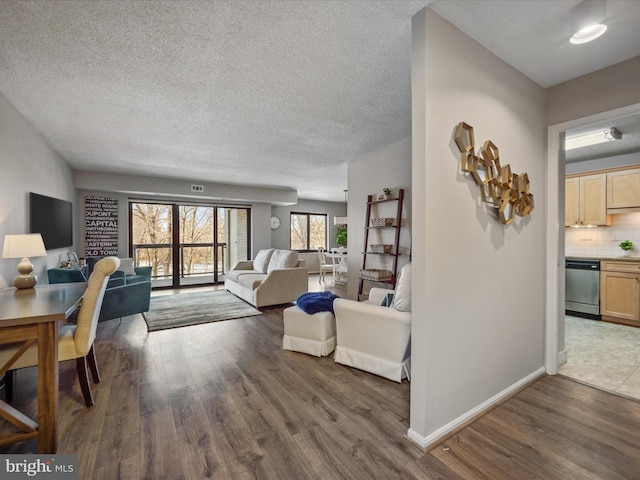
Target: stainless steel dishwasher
[(582, 287)]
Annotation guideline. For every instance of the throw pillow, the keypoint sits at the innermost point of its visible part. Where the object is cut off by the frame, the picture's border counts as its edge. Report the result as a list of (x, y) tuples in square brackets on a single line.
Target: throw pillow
[(402, 297), (126, 265), (262, 260), (387, 301), (282, 259)]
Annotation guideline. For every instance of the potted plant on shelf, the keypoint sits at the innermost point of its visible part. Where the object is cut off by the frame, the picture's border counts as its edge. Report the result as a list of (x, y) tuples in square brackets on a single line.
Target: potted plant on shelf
[(386, 193), (627, 247)]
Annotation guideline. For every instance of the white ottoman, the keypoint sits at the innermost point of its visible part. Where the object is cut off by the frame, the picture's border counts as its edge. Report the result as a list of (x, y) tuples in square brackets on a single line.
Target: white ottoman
[(313, 334)]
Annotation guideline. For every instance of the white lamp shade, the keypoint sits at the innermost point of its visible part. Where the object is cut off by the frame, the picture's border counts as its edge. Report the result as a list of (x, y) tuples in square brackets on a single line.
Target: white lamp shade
[(21, 246)]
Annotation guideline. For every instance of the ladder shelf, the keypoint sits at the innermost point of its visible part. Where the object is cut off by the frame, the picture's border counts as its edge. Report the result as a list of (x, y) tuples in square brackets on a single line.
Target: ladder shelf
[(388, 250)]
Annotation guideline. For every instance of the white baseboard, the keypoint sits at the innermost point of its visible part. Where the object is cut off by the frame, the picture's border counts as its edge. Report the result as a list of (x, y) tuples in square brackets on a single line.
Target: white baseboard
[(433, 437), (562, 357)]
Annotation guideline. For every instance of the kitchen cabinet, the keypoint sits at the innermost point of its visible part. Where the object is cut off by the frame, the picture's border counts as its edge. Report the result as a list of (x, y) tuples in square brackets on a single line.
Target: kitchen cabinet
[(623, 189), (620, 292), (586, 200)]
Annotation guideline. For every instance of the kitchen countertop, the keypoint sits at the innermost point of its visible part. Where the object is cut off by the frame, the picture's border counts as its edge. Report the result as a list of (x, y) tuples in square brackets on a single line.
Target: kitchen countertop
[(619, 259)]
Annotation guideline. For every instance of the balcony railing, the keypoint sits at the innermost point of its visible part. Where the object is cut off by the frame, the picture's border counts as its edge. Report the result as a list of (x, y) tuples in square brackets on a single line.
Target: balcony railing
[(159, 257)]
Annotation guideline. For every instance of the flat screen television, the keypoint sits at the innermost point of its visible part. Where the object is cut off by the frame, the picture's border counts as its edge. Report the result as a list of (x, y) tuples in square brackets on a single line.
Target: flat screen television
[(53, 218)]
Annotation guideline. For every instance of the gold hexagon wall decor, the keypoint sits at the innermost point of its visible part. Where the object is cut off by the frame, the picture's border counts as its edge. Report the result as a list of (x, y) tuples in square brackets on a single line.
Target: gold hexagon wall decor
[(464, 137), (479, 170), (506, 211), (499, 187), (465, 142)]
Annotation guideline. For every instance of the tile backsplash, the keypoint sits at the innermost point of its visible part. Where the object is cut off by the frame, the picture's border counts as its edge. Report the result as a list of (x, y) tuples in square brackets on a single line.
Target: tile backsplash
[(603, 241)]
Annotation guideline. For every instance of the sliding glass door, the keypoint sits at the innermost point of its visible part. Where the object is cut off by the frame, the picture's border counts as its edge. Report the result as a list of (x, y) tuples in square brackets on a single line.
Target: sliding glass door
[(188, 244), (151, 233)]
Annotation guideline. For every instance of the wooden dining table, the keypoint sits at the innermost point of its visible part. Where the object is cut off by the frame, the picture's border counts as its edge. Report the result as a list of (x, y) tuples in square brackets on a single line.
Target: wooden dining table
[(33, 314)]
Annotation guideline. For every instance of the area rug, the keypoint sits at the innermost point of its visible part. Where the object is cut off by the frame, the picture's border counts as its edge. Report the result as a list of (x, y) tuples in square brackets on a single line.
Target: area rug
[(181, 310)]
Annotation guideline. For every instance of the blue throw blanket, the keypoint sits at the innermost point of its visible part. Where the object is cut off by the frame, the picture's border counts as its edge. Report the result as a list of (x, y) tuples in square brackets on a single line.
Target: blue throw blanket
[(314, 302)]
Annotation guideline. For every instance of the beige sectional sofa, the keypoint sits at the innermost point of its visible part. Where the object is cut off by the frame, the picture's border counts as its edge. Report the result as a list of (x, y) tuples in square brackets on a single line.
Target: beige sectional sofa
[(274, 277)]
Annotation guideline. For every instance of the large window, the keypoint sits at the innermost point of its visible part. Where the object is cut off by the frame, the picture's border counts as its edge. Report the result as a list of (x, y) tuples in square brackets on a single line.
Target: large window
[(308, 231)]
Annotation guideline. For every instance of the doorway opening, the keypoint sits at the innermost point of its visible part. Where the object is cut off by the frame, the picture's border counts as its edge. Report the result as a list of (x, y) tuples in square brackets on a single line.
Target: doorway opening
[(563, 332)]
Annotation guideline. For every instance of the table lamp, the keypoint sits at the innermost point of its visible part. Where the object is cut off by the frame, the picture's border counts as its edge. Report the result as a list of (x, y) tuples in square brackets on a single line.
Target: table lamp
[(24, 246)]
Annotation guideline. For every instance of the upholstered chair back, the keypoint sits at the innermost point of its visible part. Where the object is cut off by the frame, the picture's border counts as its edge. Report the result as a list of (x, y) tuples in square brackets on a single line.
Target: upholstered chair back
[(87, 322)]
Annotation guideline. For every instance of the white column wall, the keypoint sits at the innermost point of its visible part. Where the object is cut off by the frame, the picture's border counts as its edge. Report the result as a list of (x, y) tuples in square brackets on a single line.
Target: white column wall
[(478, 286)]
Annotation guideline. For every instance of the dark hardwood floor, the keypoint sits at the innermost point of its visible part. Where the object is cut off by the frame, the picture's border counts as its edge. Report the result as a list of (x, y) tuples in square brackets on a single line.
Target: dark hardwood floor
[(224, 401)]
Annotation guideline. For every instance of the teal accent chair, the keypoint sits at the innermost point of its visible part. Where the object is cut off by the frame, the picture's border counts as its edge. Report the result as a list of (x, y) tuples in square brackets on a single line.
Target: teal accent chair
[(125, 294), (143, 274), (65, 275), (127, 299)]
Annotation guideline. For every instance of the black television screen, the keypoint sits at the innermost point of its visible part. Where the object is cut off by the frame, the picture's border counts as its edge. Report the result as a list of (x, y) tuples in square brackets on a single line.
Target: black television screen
[(53, 219)]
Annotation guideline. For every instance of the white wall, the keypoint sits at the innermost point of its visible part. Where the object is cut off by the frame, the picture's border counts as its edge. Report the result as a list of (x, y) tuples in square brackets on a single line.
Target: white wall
[(368, 175), (478, 286), (27, 164)]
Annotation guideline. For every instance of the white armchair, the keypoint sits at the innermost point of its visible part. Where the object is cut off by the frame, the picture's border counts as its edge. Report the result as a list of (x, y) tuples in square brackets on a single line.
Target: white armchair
[(372, 337)]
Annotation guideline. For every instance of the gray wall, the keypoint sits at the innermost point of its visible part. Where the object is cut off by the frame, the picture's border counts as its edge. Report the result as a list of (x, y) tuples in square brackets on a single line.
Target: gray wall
[(27, 164), (368, 175), (603, 163), (260, 215), (478, 291), (151, 188), (601, 91), (280, 238)]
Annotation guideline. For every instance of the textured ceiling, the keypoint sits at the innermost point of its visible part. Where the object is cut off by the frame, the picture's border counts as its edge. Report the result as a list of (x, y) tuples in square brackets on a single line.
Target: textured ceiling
[(280, 93)]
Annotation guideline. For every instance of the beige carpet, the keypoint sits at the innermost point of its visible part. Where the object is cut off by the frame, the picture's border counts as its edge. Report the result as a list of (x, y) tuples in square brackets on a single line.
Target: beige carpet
[(173, 311)]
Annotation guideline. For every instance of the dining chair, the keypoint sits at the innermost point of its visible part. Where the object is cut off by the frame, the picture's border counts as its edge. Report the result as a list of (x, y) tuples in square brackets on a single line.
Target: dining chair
[(75, 341), (325, 266), (339, 267)]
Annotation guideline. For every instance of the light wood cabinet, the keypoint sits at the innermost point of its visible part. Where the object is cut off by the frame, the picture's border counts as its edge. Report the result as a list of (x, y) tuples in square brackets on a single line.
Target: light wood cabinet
[(623, 189), (620, 292), (586, 201)]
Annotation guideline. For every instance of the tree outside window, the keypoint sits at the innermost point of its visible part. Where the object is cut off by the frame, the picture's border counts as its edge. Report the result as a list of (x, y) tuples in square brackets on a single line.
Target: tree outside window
[(308, 231)]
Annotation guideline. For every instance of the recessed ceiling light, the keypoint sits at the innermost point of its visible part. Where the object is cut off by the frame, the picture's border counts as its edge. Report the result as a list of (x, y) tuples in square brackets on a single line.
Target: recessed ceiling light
[(592, 138), (587, 34), (587, 21)]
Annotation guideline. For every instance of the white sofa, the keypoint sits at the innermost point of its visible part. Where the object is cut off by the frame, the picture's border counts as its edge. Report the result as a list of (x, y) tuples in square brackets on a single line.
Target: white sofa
[(274, 277), (375, 338)]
